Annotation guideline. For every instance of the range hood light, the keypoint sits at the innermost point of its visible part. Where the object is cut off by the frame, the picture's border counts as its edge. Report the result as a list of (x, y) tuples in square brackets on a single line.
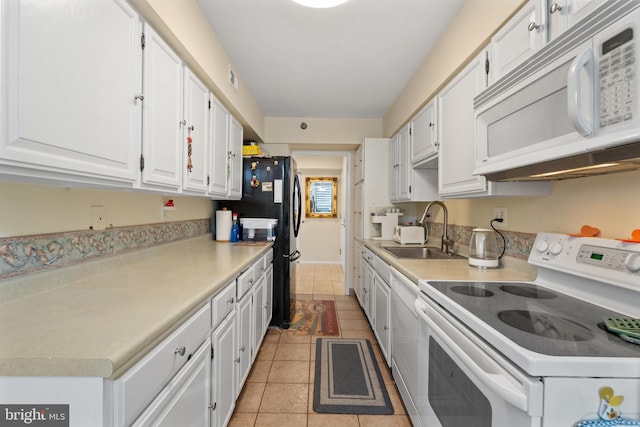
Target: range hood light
[(320, 4), (587, 168)]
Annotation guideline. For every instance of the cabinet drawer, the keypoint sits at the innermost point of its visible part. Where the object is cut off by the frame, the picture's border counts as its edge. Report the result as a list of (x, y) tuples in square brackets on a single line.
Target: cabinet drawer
[(245, 281), (382, 268), (140, 384), (222, 304)]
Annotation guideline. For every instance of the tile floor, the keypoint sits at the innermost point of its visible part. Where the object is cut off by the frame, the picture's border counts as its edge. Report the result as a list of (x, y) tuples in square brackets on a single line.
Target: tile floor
[(279, 390)]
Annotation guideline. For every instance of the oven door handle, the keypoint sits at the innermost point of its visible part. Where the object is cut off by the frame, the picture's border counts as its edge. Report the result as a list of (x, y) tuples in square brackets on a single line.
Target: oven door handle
[(497, 381)]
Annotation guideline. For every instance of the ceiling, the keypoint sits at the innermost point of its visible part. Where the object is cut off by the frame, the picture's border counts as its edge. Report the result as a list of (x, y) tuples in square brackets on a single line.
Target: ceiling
[(351, 61)]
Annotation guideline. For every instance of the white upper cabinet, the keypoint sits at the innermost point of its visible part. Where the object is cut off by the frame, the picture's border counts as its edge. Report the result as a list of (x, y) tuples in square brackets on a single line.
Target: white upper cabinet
[(162, 114), (72, 113), (235, 158), (407, 184), (518, 39), (194, 153), (457, 132), (536, 24), (218, 161), (457, 135), (424, 145)]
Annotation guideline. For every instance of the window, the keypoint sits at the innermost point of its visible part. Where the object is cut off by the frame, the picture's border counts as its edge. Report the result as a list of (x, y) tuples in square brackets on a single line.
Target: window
[(321, 197)]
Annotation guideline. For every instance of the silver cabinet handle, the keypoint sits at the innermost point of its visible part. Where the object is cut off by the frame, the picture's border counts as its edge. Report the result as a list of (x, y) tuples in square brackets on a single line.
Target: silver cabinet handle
[(213, 406), (238, 360), (532, 26), (385, 327), (139, 97), (230, 300), (242, 348), (180, 351), (183, 122), (555, 8)]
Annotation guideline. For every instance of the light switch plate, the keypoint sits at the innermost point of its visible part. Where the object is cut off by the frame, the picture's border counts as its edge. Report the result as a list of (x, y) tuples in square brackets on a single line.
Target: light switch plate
[(98, 217)]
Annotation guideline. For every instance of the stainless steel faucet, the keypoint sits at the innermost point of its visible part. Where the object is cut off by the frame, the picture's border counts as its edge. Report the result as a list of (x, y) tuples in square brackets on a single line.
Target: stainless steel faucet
[(446, 243)]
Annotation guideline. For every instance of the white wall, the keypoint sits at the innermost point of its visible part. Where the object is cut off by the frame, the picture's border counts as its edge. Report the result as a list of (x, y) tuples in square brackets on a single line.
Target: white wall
[(27, 209)]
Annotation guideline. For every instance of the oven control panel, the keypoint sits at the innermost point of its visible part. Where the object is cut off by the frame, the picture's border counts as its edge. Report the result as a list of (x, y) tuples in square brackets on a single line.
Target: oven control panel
[(587, 256)]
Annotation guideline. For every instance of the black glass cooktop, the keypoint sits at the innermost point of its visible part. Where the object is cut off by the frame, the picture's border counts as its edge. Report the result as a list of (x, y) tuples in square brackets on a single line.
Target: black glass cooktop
[(537, 318)]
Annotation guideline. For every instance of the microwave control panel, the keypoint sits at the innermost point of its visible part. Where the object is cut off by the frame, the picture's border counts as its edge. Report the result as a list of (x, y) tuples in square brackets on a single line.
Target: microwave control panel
[(617, 73)]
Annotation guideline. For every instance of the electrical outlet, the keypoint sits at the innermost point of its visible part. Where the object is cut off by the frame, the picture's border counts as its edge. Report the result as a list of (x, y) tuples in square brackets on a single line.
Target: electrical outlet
[(98, 217), (501, 213)]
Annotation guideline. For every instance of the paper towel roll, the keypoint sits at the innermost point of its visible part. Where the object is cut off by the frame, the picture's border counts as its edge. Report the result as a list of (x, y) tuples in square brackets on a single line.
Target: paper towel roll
[(223, 225)]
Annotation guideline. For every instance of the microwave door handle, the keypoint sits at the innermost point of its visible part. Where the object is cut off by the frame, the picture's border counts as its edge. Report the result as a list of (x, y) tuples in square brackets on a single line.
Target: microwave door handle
[(495, 381), (582, 125)]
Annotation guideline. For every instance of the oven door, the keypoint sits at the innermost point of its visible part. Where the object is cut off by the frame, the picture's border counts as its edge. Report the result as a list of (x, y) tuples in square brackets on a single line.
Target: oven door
[(464, 382)]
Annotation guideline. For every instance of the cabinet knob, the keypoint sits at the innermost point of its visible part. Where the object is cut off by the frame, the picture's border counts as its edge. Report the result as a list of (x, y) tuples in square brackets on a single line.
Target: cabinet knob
[(555, 8), (183, 122), (532, 26), (242, 348), (430, 124), (230, 300), (180, 351), (139, 97), (213, 406), (238, 360), (385, 327)]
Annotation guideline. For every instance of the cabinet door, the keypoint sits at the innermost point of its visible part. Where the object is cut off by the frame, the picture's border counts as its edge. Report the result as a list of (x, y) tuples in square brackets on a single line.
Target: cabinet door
[(259, 327), (367, 291), (196, 115), (223, 369), (235, 158), (404, 164), (358, 164), (73, 74), (394, 165), (515, 42), (457, 132), (218, 160), (358, 222), (576, 10), (268, 302), (162, 112), (424, 147), (244, 327), (382, 321), (185, 400), (357, 270)]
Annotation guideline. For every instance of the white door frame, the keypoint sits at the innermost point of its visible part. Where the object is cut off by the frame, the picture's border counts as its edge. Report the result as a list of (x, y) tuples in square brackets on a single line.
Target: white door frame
[(346, 230)]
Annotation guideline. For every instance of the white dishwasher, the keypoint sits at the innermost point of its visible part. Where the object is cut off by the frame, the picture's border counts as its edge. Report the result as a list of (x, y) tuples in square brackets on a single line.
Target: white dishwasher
[(404, 324)]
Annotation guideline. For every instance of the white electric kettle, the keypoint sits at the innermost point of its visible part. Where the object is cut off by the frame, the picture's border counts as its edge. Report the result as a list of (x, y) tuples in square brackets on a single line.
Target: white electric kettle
[(483, 249)]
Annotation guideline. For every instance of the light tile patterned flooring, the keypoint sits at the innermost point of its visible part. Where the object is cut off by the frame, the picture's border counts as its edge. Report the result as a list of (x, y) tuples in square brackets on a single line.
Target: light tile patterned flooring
[(279, 390)]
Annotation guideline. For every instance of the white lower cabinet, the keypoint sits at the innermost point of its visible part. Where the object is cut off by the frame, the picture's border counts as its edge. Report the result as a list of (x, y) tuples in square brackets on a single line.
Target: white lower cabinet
[(244, 326), (194, 376), (382, 324), (258, 315), (366, 300), (185, 400), (223, 385), (153, 373)]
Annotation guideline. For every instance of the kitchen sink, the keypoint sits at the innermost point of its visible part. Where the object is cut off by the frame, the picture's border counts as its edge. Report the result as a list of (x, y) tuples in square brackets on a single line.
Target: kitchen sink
[(419, 253)]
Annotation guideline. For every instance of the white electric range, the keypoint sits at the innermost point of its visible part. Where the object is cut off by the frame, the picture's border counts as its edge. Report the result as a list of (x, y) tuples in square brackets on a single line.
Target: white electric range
[(537, 353)]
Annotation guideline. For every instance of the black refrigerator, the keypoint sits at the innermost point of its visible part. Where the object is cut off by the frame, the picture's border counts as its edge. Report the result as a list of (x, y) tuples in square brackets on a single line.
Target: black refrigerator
[(271, 189)]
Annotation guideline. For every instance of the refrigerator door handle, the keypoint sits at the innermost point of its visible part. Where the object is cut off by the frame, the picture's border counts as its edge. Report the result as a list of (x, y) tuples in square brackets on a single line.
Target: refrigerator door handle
[(294, 256)]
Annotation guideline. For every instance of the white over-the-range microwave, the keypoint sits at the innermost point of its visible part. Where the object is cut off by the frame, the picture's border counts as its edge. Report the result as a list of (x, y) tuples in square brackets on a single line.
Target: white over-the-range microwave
[(569, 110)]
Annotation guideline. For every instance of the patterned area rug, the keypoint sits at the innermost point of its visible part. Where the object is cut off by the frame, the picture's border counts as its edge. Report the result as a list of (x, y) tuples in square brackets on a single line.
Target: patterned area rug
[(314, 317), (348, 379)]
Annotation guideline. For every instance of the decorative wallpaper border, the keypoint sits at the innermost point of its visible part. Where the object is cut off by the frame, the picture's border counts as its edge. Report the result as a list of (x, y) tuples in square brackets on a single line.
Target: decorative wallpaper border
[(518, 244), (23, 255)]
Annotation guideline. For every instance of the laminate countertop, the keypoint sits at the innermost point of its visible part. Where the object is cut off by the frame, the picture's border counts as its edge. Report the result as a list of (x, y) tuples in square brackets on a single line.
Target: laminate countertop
[(451, 269), (98, 318)]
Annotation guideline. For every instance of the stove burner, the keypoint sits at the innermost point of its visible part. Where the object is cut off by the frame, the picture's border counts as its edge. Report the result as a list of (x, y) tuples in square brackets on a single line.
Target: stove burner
[(527, 291), (546, 325), (472, 291)]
